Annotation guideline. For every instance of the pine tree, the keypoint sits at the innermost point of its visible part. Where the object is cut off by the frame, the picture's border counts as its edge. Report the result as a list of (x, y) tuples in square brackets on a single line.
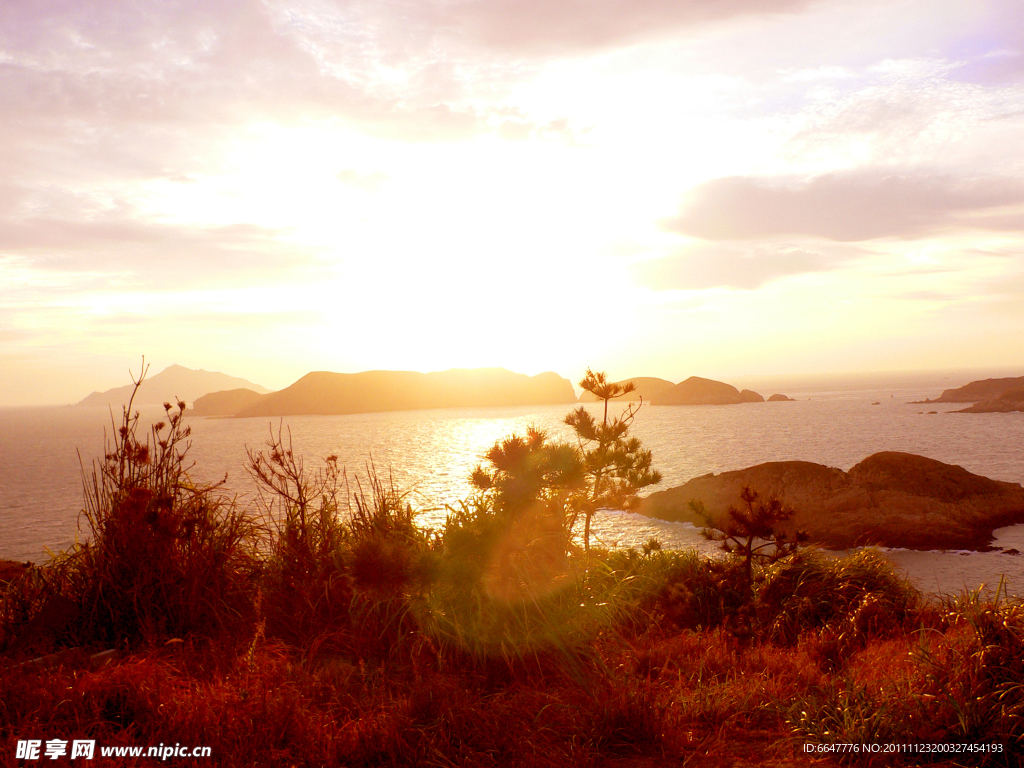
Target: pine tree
[(604, 469), (751, 533), (616, 466)]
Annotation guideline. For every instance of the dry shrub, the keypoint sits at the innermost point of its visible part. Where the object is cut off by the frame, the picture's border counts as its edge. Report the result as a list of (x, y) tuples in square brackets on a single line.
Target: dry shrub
[(345, 571), (165, 557), (307, 590)]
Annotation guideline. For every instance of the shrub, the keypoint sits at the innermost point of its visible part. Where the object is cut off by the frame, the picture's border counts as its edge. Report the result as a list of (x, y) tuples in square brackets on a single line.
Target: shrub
[(850, 599), (306, 587), (345, 569), (973, 682), (506, 588), (165, 557), (695, 592), (749, 533)]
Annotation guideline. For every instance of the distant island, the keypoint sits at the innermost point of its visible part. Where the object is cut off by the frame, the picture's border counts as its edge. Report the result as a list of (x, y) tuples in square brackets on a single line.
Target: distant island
[(988, 395), (694, 391), (699, 391), (326, 393), (890, 499), (224, 403), (173, 383)]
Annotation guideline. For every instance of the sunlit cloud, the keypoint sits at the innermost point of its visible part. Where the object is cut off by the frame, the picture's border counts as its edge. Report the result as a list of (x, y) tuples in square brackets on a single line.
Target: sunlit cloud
[(715, 265), (861, 205)]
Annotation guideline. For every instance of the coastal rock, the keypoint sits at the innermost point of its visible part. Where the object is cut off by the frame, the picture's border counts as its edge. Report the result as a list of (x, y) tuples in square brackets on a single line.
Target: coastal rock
[(976, 391), (750, 396), (780, 399), (646, 387), (698, 391), (890, 499), (226, 403), (1007, 402), (173, 383), (325, 393)]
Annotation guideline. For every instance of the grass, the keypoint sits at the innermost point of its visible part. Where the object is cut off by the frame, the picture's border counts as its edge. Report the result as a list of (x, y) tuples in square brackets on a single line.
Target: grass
[(629, 689), (326, 628)]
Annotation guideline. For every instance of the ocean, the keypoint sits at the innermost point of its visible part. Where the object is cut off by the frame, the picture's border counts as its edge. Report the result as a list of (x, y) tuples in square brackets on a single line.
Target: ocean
[(430, 453)]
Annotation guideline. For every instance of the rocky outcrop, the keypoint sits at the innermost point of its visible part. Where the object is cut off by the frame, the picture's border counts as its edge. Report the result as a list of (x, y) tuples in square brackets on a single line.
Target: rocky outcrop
[(646, 387), (890, 499), (976, 391), (1007, 402), (698, 391), (325, 393), (780, 399), (226, 403), (173, 383)]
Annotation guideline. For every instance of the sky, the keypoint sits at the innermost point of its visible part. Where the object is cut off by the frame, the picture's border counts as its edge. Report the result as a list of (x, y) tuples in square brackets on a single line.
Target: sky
[(646, 187)]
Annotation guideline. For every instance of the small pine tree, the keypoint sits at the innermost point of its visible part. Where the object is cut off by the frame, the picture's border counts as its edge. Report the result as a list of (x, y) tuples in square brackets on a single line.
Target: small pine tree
[(617, 466), (750, 533), (605, 469)]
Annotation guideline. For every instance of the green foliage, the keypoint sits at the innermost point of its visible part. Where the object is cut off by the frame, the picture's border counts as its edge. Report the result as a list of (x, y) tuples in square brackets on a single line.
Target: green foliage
[(506, 588), (749, 533), (307, 588), (844, 712), (695, 593), (851, 599), (973, 687), (524, 470), (604, 469), (510, 582)]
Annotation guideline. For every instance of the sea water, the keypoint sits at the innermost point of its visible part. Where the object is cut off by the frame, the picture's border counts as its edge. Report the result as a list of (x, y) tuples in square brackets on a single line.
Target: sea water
[(431, 453)]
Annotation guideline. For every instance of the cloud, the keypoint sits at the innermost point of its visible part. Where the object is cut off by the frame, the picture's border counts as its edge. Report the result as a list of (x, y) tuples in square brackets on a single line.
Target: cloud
[(542, 26), (720, 265), (368, 182), (93, 89), (929, 296), (139, 253), (992, 52), (849, 206)]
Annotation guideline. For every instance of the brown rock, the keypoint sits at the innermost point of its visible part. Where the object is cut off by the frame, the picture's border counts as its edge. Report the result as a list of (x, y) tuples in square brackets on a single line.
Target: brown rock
[(976, 391), (780, 399), (890, 499), (1007, 402), (750, 396)]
